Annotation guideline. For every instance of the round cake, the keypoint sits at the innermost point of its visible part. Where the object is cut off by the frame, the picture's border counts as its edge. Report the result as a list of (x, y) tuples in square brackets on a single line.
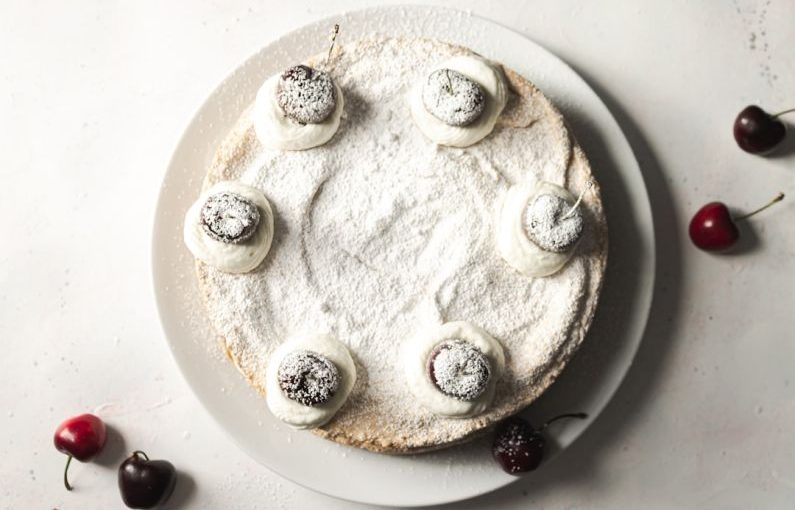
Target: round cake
[(380, 235)]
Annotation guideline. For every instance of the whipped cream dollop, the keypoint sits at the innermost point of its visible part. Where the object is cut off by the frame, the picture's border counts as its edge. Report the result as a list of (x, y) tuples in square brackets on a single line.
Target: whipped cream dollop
[(230, 257), (513, 240), (275, 130), (293, 412), (418, 352), (485, 73)]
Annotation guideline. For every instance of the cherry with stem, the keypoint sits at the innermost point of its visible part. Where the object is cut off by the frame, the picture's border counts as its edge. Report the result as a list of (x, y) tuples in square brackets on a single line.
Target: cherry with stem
[(757, 131), (80, 437), (333, 41), (145, 482), (579, 200), (519, 447), (713, 228)]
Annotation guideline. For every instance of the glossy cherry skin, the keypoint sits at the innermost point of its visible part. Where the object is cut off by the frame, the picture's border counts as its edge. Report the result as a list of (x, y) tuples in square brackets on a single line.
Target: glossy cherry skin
[(145, 483), (713, 228), (756, 131), (81, 437), (518, 447)]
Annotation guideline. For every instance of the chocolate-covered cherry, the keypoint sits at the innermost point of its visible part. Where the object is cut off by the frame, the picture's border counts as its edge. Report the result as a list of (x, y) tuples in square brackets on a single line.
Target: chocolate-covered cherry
[(80, 437), (757, 131), (713, 228), (145, 483), (519, 447)]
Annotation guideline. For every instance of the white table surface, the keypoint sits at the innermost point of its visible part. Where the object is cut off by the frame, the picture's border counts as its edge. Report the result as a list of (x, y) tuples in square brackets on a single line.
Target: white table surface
[(95, 94)]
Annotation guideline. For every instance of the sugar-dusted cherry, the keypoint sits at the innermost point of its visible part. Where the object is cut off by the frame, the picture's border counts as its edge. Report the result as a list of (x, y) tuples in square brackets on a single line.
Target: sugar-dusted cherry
[(519, 447)]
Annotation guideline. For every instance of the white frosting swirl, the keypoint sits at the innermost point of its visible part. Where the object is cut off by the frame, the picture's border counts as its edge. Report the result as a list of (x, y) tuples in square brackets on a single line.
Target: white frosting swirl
[(486, 74), (230, 258), (513, 243), (277, 131), (294, 413), (415, 363)]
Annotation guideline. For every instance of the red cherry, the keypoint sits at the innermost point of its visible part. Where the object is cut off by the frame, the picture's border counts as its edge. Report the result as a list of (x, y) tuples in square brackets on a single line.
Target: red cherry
[(713, 228), (80, 437), (756, 131)]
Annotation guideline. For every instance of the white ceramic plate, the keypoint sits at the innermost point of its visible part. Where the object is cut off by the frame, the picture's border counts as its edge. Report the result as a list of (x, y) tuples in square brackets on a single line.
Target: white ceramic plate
[(457, 473)]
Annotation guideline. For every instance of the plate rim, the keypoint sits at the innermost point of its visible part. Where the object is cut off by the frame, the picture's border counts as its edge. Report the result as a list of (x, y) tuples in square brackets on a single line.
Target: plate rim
[(642, 315)]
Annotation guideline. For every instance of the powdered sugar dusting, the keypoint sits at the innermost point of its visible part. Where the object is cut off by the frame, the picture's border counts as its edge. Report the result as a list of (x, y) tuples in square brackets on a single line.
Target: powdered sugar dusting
[(379, 233)]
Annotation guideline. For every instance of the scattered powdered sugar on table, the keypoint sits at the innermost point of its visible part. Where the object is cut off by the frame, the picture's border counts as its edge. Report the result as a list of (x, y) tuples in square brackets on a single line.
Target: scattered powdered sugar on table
[(380, 234)]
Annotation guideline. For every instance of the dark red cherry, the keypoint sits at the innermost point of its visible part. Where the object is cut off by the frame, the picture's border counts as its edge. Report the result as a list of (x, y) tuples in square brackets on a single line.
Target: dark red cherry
[(713, 228), (519, 447), (757, 131), (81, 437), (145, 483)]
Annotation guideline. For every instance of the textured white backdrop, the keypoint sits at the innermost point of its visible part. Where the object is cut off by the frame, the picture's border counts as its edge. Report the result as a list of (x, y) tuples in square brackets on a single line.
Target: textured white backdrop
[(93, 98)]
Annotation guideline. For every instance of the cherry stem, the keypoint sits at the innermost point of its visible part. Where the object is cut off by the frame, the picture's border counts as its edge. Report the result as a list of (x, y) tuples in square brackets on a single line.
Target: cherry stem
[(333, 40), (142, 454), (580, 416), (782, 113), (778, 198), (449, 81), (66, 473), (579, 199)]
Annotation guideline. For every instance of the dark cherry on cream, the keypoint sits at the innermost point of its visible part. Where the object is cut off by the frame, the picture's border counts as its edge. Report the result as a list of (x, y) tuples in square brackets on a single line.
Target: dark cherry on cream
[(459, 369), (552, 223), (453, 98), (229, 218), (306, 95), (308, 378)]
